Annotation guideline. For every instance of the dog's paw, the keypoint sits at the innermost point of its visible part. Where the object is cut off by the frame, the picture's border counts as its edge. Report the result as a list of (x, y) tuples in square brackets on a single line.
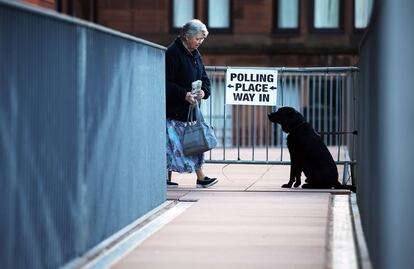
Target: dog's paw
[(297, 184), (310, 186), (287, 185)]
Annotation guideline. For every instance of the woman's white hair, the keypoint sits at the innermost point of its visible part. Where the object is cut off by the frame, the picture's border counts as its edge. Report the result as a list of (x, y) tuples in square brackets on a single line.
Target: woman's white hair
[(192, 28)]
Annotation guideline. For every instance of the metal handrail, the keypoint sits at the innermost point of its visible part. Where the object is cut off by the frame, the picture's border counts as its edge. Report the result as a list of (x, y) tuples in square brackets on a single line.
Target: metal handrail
[(289, 69)]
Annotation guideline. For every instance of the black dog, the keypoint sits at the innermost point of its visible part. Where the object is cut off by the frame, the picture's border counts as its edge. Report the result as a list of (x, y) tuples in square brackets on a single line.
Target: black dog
[(308, 153)]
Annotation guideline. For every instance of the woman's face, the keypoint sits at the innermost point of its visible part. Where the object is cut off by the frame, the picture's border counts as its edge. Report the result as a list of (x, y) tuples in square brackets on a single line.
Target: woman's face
[(195, 41)]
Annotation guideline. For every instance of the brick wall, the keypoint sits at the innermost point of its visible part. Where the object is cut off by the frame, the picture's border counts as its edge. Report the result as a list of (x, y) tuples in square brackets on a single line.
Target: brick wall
[(253, 16), (50, 4), (251, 41)]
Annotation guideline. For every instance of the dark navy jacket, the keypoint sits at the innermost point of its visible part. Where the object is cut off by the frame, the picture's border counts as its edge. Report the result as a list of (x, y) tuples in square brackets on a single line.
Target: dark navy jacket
[(181, 69)]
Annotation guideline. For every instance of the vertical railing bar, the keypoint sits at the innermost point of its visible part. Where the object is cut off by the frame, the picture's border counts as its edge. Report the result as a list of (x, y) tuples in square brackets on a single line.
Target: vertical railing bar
[(351, 117), (247, 127), (289, 91), (243, 124), (300, 89), (313, 101), (280, 133), (224, 126), (238, 132), (245, 140), (260, 129), (302, 94), (354, 110), (338, 104), (340, 126), (342, 112), (272, 132), (336, 107), (267, 133), (254, 132), (250, 125), (217, 90), (297, 91), (210, 102), (319, 102), (340, 118), (348, 111), (264, 122), (331, 110), (221, 85), (348, 116), (307, 98), (325, 107)]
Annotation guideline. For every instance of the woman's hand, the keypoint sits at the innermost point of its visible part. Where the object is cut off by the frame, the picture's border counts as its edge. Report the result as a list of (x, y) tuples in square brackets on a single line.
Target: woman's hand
[(199, 94), (189, 97)]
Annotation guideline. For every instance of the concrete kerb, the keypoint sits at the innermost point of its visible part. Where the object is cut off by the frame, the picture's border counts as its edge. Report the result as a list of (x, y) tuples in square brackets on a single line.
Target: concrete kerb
[(364, 261)]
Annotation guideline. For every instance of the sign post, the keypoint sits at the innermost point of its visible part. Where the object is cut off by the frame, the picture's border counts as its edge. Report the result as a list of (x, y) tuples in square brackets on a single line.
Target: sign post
[(256, 87)]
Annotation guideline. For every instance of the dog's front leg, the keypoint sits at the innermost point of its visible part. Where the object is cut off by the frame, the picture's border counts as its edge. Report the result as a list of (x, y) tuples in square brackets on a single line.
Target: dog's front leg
[(293, 175), (297, 165), (298, 181)]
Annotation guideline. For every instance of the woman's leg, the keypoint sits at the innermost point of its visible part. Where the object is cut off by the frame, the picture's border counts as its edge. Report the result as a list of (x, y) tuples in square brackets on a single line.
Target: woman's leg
[(169, 182), (200, 174), (203, 181)]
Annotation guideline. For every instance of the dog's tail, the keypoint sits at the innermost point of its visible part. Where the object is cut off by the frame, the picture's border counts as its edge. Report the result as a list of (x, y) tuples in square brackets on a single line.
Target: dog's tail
[(340, 186)]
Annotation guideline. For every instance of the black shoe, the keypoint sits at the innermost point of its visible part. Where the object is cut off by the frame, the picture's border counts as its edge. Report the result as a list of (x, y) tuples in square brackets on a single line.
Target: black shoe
[(171, 184), (206, 182)]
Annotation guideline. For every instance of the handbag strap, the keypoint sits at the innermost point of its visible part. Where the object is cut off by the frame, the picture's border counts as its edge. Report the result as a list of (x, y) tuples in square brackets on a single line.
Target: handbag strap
[(199, 115), (190, 114), (197, 111)]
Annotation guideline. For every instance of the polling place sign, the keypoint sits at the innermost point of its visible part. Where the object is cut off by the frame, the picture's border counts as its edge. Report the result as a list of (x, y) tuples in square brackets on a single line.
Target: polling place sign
[(245, 86)]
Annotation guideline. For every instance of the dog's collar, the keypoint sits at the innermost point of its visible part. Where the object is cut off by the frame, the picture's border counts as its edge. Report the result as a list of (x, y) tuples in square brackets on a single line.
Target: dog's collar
[(297, 126)]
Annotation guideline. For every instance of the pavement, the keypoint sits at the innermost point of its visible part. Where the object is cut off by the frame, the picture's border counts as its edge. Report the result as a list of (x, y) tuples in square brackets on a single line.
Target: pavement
[(247, 221)]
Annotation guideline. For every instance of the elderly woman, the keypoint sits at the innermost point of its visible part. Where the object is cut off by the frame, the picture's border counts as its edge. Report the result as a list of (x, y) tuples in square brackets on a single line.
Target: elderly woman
[(183, 65)]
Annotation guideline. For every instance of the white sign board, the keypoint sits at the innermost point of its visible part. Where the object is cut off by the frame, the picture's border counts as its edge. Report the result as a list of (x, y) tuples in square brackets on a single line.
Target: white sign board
[(256, 87)]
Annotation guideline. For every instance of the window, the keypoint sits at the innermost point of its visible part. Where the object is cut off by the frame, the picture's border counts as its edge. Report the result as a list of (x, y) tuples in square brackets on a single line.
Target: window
[(218, 15), (326, 14), (287, 15), (182, 11), (362, 13)]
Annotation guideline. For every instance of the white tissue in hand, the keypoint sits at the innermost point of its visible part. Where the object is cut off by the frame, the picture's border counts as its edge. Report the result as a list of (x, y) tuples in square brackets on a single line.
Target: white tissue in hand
[(196, 86)]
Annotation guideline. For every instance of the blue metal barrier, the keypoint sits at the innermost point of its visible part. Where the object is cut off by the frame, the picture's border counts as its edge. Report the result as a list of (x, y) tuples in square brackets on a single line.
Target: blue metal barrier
[(82, 145)]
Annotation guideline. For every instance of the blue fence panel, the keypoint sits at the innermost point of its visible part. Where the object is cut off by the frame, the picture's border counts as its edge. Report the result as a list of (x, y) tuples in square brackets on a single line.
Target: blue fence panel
[(82, 145)]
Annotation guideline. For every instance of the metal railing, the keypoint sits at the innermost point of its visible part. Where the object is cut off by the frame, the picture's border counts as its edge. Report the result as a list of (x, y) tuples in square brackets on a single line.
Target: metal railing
[(324, 95)]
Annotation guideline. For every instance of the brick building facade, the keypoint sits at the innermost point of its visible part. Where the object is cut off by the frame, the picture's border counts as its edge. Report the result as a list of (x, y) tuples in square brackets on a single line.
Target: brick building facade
[(252, 35)]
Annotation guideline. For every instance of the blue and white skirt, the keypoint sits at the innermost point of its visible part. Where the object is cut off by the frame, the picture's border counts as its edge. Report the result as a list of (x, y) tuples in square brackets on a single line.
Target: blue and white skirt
[(176, 160)]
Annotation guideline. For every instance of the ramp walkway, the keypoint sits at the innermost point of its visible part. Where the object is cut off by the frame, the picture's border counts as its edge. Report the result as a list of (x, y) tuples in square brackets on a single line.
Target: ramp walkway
[(244, 221)]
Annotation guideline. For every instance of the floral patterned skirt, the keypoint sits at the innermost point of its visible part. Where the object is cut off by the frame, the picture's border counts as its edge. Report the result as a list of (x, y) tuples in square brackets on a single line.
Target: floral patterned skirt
[(176, 160)]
